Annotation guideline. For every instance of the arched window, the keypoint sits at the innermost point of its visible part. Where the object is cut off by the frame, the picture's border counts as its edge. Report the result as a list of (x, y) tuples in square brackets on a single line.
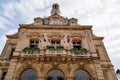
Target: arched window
[(77, 44), (34, 43), (55, 42), (81, 75), (28, 74), (55, 75)]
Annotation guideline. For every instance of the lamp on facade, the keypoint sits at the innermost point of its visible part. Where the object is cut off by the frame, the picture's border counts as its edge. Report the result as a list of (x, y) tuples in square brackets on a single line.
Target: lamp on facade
[(118, 73)]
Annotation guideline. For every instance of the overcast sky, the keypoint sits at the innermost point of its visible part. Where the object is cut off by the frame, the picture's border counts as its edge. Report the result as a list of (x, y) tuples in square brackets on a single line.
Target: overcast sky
[(104, 15)]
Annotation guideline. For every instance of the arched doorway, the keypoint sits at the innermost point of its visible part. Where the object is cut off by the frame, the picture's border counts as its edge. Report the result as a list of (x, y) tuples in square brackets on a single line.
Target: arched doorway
[(81, 75), (55, 74), (28, 74)]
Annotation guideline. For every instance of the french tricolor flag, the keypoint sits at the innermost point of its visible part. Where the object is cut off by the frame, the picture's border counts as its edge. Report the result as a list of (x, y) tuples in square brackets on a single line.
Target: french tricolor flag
[(71, 40), (40, 40), (49, 40)]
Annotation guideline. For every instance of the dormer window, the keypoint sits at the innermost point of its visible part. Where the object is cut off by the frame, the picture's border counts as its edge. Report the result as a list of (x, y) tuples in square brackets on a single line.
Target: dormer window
[(55, 22), (65, 22), (45, 21), (73, 24), (37, 23)]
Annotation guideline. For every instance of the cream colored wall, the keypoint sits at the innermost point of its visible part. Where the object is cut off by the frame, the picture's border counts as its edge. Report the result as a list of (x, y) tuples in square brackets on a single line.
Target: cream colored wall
[(93, 67)]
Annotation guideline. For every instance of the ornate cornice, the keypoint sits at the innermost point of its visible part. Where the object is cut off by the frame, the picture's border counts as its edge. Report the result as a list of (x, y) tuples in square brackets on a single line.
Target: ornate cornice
[(34, 34), (98, 38), (12, 36), (51, 27), (55, 35)]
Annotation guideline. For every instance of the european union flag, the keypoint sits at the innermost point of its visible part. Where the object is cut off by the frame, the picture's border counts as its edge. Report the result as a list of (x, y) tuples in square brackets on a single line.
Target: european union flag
[(68, 39)]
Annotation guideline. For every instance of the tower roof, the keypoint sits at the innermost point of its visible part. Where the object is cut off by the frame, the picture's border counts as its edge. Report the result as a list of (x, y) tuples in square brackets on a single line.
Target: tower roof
[(55, 9)]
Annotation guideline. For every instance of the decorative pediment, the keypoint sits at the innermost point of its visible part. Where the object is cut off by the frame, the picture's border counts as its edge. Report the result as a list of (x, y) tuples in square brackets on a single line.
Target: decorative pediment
[(55, 35), (56, 16), (35, 34), (73, 19), (38, 19), (76, 35)]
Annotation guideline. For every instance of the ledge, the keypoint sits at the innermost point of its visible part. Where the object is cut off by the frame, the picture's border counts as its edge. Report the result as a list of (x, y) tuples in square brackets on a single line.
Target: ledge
[(79, 27)]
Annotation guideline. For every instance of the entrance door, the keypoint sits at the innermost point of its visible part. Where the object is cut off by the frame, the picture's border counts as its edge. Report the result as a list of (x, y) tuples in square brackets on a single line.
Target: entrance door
[(55, 75)]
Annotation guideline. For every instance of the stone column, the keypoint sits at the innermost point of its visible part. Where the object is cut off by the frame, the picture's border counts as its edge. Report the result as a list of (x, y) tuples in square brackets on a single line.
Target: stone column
[(99, 72)]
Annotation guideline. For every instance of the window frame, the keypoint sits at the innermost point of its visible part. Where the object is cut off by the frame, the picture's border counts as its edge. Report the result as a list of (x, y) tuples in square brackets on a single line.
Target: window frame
[(55, 22), (73, 24), (34, 43)]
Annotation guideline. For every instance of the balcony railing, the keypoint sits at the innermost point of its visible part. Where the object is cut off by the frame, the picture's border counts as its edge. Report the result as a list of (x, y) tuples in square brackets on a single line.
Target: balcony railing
[(78, 52), (55, 52), (51, 52), (31, 52)]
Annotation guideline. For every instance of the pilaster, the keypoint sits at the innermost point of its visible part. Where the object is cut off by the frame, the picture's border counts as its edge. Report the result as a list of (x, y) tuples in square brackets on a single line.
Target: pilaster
[(11, 69)]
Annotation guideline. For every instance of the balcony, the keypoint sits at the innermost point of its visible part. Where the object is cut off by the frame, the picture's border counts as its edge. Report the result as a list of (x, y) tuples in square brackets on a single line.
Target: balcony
[(79, 53), (55, 52)]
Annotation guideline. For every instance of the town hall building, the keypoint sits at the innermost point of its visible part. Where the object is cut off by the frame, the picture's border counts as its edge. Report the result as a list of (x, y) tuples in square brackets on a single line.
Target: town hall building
[(55, 48)]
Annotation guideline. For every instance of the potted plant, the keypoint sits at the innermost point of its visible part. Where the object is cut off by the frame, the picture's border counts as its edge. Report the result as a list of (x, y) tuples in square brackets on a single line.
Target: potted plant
[(50, 47), (26, 49), (36, 49), (74, 49), (60, 47), (29, 48), (83, 49)]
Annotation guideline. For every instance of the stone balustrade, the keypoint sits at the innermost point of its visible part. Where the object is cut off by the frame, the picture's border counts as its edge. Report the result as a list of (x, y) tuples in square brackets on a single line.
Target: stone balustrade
[(52, 52)]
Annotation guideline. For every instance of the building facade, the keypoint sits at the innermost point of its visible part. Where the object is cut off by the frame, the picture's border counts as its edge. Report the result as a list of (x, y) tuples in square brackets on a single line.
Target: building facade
[(55, 48)]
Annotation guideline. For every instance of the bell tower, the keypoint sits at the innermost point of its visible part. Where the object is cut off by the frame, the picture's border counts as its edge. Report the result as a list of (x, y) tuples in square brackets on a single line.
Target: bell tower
[(55, 9)]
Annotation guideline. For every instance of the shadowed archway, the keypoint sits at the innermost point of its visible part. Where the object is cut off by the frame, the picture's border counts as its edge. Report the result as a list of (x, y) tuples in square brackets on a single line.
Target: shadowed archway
[(81, 75), (55, 74), (28, 74)]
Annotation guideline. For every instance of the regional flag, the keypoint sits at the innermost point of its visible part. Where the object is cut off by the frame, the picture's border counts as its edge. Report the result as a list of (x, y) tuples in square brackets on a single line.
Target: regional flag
[(71, 40)]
